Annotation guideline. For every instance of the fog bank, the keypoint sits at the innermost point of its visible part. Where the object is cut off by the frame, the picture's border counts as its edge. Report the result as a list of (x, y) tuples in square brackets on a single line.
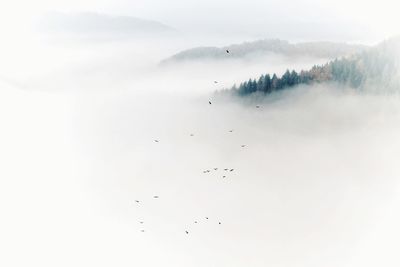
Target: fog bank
[(89, 129)]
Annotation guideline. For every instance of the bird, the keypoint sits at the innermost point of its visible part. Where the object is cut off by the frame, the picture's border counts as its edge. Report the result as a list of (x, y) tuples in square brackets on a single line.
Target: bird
[(227, 51), (226, 169), (195, 221), (231, 170), (215, 169), (209, 102), (186, 232), (230, 131), (191, 134), (215, 81), (141, 222), (224, 176), (206, 218), (243, 145), (257, 106), (137, 201), (155, 197), (219, 222), (156, 141), (142, 231)]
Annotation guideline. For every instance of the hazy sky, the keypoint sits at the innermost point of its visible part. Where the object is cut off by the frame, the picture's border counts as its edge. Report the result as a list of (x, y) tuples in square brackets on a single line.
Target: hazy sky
[(341, 19)]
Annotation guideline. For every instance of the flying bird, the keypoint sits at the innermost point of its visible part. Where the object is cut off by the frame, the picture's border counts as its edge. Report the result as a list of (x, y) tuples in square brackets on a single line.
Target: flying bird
[(219, 222), (257, 106), (227, 51), (226, 169), (215, 81), (231, 170), (137, 201), (243, 145), (209, 102), (186, 232), (206, 218), (142, 231), (224, 176), (156, 141), (195, 221), (155, 197), (215, 169), (230, 131)]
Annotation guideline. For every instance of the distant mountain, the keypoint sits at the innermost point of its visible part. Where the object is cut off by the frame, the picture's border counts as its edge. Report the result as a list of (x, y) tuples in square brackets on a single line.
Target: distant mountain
[(327, 50), (370, 69), (100, 24)]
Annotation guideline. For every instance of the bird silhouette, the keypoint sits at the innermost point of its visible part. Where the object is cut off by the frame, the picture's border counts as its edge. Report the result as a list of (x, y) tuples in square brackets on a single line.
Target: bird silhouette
[(206, 218), (224, 176), (215, 81), (230, 131), (231, 170), (137, 201), (257, 106), (155, 197), (227, 51), (243, 145), (156, 141), (209, 102), (215, 169), (219, 222), (186, 232)]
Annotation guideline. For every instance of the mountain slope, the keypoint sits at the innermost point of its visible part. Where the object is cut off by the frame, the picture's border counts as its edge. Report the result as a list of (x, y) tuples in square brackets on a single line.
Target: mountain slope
[(372, 68), (311, 49), (94, 23)]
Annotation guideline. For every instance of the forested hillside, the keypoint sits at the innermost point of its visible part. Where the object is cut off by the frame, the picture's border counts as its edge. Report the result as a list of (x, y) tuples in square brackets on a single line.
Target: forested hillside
[(377, 66), (326, 50)]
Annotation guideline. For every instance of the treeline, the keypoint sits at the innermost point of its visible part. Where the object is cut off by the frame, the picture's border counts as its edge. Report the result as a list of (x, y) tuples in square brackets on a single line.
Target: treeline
[(317, 74), (267, 84), (376, 67), (265, 47)]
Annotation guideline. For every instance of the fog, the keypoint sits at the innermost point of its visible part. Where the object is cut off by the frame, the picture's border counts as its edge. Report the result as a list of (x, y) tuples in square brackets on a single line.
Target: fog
[(315, 169)]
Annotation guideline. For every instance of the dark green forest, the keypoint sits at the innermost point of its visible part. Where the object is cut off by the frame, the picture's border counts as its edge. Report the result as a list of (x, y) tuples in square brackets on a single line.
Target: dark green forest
[(376, 66)]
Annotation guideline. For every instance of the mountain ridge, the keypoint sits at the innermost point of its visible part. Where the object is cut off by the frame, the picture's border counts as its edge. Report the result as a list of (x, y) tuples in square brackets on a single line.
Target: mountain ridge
[(374, 67), (313, 49), (98, 23)]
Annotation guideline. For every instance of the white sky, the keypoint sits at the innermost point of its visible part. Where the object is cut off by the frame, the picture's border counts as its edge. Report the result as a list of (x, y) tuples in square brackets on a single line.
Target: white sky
[(378, 18)]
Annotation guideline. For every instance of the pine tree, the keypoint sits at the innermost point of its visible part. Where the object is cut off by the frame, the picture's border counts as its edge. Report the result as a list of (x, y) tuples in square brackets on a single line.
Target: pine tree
[(267, 84), (260, 84), (274, 82)]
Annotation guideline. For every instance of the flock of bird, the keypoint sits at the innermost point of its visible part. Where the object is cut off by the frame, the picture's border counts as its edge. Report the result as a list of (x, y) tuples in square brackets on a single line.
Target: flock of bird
[(138, 202), (216, 169), (226, 170)]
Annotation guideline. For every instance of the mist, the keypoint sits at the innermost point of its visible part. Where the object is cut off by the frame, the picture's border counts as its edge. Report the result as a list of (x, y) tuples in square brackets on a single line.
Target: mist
[(314, 178)]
